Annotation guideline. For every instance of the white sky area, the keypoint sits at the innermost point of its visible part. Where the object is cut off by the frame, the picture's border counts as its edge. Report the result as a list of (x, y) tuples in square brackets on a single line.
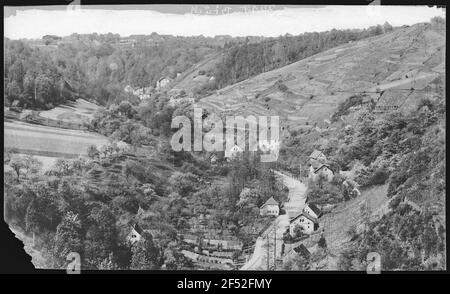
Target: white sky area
[(35, 23)]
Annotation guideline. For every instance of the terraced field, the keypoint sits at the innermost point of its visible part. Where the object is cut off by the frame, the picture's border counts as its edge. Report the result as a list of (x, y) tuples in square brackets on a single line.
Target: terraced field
[(409, 57)]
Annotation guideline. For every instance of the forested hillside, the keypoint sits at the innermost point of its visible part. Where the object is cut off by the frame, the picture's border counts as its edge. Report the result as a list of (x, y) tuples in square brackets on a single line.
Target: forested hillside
[(96, 67), (242, 61), (46, 72)]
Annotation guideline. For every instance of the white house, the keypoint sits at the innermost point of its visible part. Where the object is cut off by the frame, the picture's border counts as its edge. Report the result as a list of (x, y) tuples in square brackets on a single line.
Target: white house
[(163, 82), (270, 207), (316, 170), (135, 234), (307, 222), (233, 152), (312, 210)]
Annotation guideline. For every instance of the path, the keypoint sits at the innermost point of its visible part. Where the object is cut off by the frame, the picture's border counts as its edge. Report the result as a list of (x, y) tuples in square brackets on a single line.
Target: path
[(294, 205)]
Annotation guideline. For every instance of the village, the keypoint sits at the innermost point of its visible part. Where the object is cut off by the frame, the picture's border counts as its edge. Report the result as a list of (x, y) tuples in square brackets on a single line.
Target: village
[(213, 249)]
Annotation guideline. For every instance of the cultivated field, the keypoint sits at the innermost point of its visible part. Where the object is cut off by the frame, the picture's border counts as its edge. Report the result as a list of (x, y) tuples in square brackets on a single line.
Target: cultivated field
[(75, 112), (409, 57), (48, 141)]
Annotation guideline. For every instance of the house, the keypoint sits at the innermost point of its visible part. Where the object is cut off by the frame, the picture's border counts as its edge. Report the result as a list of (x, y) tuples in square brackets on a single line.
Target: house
[(318, 169), (270, 207), (163, 82), (307, 222), (312, 210), (233, 152), (135, 234), (317, 156), (302, 251)]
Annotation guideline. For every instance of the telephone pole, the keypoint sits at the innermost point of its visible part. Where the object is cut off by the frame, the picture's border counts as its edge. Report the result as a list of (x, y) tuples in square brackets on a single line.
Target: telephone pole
[(268, 252), (275, 249)]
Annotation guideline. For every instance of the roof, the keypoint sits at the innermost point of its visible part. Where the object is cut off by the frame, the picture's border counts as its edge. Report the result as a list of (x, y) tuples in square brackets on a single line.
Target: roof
[(138, 229), (316, 154), (315, 209), (301, 249), (310, 217), (164, 78), (270, 201), (321, 166)]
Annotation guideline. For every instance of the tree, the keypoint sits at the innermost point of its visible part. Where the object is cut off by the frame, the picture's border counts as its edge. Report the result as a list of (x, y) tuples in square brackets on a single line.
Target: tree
[(17, 163), (183, 183), (93, 152), (322, 242), (68, 237), (101, 234), (32, 164), (174, 260), (146, 255), (32, 219), (298, 263), (62, 167)]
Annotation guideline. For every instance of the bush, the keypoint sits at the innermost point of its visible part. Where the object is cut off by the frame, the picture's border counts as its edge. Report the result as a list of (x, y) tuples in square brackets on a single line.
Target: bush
[(379, 177), (282, 87)]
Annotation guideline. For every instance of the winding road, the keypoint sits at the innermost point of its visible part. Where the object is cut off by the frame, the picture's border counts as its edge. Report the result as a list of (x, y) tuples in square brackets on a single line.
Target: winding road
[(294, 205)]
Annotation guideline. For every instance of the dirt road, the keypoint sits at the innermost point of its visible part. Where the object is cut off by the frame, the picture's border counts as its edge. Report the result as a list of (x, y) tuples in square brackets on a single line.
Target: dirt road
[(264, 246)]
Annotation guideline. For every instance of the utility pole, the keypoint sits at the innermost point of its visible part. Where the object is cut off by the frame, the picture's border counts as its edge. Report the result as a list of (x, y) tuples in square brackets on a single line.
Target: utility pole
[(275, 249), (268, 251), (300, 171)]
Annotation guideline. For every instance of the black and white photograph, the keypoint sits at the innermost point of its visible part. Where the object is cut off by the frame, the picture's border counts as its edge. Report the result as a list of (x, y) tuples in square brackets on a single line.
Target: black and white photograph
[(204, 137)]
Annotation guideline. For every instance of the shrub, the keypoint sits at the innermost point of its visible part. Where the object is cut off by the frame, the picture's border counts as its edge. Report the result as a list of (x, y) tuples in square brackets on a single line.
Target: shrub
[(282, 87), (379, 177)]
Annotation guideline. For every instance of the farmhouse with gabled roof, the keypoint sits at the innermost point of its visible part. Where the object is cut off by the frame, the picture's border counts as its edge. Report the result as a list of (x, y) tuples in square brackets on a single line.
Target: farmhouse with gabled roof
[(136, 234), (317, 169), (307, 222), (270, 207)]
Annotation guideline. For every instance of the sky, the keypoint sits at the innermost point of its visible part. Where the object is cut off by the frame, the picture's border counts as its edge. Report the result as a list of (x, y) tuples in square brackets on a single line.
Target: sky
[(190, 20)]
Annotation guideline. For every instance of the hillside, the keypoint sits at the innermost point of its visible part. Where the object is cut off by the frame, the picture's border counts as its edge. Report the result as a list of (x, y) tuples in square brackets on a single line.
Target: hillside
[(386, 67)]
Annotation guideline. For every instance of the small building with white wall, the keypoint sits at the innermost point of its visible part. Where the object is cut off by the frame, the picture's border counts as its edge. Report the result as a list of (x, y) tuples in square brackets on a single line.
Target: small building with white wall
[(270, 207), (307, 223)]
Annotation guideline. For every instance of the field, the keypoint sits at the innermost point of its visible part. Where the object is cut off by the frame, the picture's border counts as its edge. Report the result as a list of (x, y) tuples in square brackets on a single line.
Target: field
[(75, 112), (48, 141), (406, 58)]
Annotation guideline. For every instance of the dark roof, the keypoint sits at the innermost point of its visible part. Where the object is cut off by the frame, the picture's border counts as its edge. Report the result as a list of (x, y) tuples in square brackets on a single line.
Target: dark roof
[(321, 166), (301, 249), (315, 209), (270, 201), (164, 78), (310, 217), (138, 229)]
